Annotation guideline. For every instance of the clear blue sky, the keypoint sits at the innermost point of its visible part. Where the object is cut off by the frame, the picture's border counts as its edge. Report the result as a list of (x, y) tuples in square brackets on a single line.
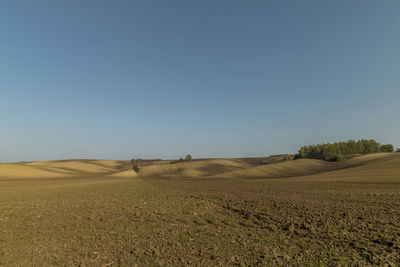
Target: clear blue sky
[(128, 79)]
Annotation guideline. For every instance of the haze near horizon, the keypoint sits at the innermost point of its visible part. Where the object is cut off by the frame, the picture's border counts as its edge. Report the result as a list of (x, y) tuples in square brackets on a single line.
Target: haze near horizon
[(119, 80)]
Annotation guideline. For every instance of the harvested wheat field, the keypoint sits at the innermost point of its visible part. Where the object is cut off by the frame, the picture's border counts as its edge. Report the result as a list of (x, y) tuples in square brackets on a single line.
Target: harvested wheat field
[(212, 212)]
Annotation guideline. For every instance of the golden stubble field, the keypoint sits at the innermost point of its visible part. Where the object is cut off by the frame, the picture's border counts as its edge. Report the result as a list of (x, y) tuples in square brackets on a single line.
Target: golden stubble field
[(205, 212)]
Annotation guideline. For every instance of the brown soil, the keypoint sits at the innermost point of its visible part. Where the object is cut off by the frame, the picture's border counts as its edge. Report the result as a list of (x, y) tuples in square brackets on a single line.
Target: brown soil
[(209, 212)]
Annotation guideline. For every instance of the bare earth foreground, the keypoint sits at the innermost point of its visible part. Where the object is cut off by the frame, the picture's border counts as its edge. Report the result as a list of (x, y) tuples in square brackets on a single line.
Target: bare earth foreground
[(204, 212)]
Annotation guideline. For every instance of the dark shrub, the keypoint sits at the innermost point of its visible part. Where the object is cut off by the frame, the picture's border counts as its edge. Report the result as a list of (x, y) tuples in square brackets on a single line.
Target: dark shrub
[(338, 157), (387, 148), (135, 165)]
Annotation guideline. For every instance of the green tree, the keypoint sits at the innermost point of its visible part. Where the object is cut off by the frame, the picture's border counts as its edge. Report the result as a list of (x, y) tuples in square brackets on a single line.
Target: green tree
[(340, 150), (387, 148)]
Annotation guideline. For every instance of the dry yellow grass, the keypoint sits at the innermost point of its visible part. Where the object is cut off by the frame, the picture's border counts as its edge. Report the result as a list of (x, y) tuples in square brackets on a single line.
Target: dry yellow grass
[(64, 168), (193, 169), (228, 168), (285, 169), (211, 168)]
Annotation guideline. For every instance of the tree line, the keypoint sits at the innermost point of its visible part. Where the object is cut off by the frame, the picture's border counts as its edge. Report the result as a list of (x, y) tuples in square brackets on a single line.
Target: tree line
[(340, 150)]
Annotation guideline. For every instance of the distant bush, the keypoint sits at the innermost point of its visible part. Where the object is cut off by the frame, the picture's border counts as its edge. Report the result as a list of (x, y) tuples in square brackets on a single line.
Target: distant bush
[(181, 160), (398, 150), (340, 150), (277, 159), (135, 165), (387, 148), (338, 157)]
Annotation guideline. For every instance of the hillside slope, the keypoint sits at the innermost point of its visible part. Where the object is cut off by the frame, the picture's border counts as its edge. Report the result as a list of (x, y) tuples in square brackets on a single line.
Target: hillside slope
[(65, 168), (303, 167), (240, 168), (193, 169)]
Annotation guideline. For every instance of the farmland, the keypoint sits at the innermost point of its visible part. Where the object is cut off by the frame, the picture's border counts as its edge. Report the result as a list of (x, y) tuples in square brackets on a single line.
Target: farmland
[(203, 212)]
